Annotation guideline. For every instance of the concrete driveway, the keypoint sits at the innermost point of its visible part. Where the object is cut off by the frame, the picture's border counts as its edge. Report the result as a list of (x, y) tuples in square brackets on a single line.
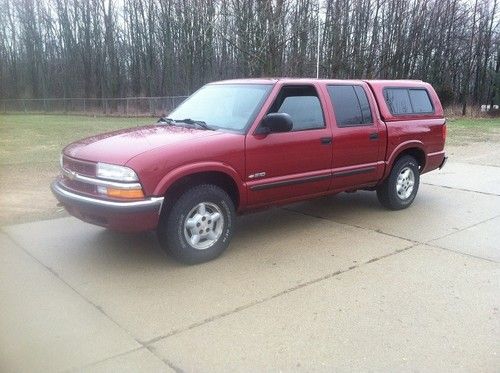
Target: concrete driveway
[(337, 283)]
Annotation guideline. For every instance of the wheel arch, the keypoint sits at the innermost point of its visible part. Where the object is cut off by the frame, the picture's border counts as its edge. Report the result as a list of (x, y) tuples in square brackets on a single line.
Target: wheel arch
[(412, 148), (214, 173)]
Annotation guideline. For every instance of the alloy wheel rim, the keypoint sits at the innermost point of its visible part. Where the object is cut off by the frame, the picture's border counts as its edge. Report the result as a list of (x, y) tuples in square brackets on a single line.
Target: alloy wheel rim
[(203, 225), (405, 183)]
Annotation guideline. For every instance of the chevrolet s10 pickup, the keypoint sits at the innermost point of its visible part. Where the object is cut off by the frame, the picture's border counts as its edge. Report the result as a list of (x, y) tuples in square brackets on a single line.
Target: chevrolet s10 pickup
[(241, 145)]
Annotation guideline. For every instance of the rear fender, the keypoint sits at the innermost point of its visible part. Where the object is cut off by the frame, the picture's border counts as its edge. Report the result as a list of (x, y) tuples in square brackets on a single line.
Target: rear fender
[(400, 149)]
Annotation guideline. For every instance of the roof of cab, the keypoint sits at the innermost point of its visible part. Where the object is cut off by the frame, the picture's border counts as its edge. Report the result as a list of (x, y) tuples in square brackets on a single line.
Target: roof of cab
[(273, 80), (248, 81)]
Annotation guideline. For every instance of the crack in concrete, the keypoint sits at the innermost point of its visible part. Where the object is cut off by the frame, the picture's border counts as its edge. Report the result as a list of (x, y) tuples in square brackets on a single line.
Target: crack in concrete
[(415, 243), (463, 189), (273, 296), (350, 225), (460, 230), (472, 163), (90, 302), (94, 363), (167, 362), (429, 243), (462, 253), (57, 275)]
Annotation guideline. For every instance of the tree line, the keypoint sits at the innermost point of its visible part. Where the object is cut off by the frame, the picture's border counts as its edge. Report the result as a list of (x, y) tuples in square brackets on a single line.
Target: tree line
[(119, 48)]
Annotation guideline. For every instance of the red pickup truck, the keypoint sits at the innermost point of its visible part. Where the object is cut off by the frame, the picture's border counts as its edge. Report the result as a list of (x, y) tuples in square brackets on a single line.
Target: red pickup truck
[(239, 145)]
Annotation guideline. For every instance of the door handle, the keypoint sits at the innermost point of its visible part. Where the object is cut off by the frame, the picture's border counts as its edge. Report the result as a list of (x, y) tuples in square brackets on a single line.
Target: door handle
[(326, 140), (373, 136)]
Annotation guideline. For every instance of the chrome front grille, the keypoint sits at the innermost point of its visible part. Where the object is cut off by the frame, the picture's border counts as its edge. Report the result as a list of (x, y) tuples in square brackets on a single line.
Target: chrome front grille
[(73, 166), (78, 166), (79, 186)]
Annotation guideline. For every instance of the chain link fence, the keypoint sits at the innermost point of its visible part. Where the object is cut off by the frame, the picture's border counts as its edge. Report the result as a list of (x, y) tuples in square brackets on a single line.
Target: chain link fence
[(126, 106)]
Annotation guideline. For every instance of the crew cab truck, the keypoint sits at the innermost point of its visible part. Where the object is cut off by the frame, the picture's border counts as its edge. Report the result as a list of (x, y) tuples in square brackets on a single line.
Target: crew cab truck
[(240, 145)]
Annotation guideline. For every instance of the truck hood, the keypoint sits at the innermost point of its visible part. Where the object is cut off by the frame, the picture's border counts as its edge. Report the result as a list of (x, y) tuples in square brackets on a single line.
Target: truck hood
[(119, 146)]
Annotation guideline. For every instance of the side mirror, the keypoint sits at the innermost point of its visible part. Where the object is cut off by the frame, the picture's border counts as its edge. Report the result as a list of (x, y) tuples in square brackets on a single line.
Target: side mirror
[(275, 122)]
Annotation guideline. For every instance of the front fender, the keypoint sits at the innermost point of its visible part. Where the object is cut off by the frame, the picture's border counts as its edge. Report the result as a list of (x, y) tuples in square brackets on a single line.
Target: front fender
[(176, 174)]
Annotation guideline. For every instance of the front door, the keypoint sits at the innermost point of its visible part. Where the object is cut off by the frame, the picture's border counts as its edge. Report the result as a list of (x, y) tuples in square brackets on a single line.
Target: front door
[(284, 166)]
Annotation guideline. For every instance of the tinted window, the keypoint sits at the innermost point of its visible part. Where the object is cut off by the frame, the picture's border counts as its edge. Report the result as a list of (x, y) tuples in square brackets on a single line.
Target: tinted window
[(408, 101), (363, 103), (302, 104), (350, 104), (420, 101), (398, 101)]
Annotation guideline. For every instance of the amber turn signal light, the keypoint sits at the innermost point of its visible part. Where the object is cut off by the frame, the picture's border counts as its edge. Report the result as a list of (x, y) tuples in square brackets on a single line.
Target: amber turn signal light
[(125, 193)]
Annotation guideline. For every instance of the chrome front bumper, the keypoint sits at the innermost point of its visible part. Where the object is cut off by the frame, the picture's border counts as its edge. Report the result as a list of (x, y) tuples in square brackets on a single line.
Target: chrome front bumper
[(72, 199)]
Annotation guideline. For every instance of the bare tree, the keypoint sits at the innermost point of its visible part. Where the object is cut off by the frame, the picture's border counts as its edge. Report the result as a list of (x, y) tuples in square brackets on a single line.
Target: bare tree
[(98, 48)]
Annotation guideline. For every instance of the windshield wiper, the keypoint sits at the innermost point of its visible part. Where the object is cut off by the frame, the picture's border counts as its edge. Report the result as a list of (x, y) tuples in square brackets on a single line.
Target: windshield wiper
[(199, 123), (166, 120)]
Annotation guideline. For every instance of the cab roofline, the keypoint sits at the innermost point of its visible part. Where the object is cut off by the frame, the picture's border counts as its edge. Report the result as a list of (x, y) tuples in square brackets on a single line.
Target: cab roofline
[(274, 80)]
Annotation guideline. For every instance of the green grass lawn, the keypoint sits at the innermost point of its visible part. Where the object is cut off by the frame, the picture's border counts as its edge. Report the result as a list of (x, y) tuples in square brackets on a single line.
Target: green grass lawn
[(463, 131), (40, 138), (475, 122)]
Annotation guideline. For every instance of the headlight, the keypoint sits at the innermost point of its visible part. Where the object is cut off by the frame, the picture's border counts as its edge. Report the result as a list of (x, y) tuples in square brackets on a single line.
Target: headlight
[(113, 172)]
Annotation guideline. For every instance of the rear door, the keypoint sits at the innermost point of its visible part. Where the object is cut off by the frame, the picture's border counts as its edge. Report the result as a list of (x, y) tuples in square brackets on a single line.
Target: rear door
[(359, 136), (283, 166)]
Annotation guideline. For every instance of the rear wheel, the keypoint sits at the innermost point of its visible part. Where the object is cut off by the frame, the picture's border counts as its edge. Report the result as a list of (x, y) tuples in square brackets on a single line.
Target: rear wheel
[(199, 225), (400, 188)]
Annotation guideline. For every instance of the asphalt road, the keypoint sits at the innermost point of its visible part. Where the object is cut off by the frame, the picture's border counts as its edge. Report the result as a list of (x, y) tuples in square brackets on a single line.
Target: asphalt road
[(335, 283)]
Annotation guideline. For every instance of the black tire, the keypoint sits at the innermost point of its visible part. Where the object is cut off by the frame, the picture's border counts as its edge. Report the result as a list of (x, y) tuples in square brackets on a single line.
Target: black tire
[(173, 233), (387, 192)]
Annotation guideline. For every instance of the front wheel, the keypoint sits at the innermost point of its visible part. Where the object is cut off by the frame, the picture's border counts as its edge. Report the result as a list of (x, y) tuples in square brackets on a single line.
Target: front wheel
[(400, 188), (199, 225)]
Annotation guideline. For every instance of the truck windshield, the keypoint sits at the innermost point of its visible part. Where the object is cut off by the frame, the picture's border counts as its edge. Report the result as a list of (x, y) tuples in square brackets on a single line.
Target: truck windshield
[(224, 106)]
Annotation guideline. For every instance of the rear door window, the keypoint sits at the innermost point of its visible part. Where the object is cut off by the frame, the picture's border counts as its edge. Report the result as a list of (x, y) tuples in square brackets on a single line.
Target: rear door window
[(350, 105), (366, 112)]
